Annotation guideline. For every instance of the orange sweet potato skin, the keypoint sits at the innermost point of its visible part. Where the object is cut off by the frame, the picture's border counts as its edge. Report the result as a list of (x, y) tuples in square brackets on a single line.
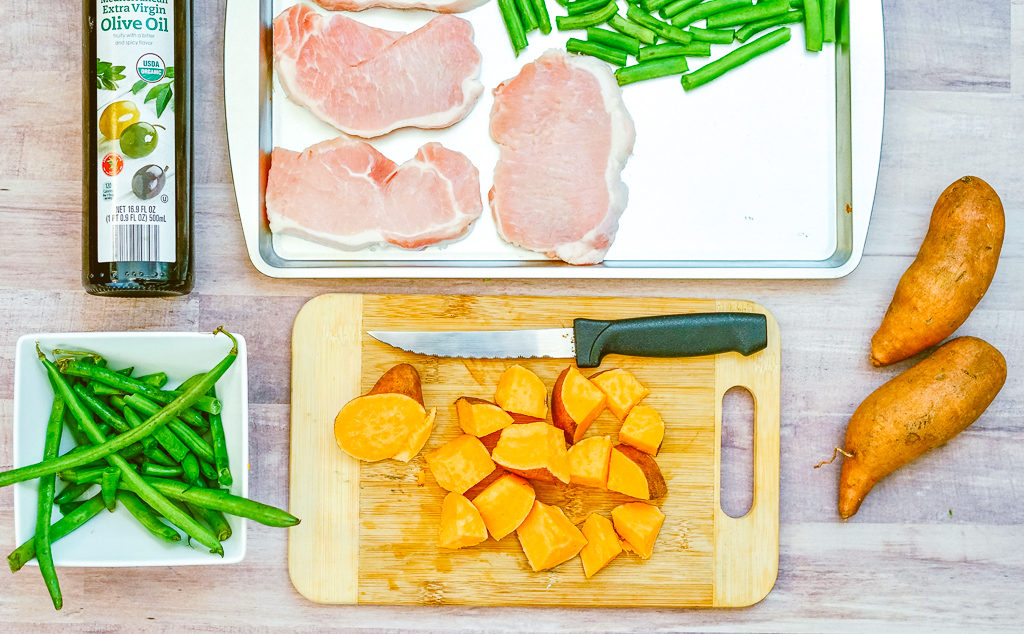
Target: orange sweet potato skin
[(951, 273), (401, 379), (916, 411)]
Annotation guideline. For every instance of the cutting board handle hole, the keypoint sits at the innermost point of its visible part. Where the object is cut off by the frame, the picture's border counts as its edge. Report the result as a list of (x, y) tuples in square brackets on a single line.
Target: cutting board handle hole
[(737, 457)]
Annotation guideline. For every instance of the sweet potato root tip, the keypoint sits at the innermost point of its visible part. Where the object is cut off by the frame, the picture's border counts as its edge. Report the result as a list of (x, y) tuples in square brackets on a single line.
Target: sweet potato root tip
[(621, 389), (377, 426), (548, 538), (643, 429), (920, 409), (520, 391), (533, 450), (952, 272), (461, 524), (639, 524), (401, 379), (575, 403), (634, 473), (602, 544), (460, 463), (588, 461), (504, 504)]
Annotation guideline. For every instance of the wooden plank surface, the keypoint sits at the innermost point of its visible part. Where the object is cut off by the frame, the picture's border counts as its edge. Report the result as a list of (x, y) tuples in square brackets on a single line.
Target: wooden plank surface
[(937, 545), (702, 558)]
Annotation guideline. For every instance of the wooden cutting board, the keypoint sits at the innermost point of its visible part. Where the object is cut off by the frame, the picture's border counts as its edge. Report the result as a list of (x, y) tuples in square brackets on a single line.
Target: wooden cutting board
[(368, 532)]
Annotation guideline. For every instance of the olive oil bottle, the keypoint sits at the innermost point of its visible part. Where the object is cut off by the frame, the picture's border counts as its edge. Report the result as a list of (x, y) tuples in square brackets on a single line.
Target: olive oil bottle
[(137, 179)]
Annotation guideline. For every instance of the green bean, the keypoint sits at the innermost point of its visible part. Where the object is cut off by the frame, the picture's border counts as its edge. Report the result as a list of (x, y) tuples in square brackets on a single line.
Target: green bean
[(525, 9), (735, 58), (108, 487), (666, 31), (220, 448), (220, 500), (650, 70), (58, 530), (74, 431), (167, 438), (44, 506), (604, 37), (192, 440), (752, 29), (218, 523), (157, 379), (92, 372), (660, 51), (744, 15), (91, 475), (145, 516), (579, 7), (205, 404), (101, 409), (513, 24), (159, 470), (828, 20), (543, 17), (102, 389), (72, 492), (582, 21), (812, 25), (712, 36), (600, 51), (208, 470), (651, 6), (626, 27), (68, 508), (672, 9), (190, 381), (702, 11), (190, 469)]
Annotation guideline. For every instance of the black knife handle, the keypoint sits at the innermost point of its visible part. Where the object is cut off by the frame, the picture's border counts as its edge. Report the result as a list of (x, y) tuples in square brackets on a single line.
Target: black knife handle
[(691, 335)]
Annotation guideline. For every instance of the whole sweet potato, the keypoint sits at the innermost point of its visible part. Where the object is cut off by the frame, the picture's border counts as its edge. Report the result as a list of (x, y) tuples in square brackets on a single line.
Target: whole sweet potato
[(916, 411), (951, 273)]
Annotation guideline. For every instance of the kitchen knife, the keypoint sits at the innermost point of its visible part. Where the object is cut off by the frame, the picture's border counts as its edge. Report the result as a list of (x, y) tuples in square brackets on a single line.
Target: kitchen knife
[(589, 340)]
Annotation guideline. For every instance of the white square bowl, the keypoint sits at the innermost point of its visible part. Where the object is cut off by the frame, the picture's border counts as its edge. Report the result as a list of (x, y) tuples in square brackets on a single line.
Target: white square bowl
[(116, 539)]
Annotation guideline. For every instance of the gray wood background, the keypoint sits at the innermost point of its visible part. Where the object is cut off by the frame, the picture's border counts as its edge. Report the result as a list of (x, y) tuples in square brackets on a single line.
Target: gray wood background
[(937, 546)]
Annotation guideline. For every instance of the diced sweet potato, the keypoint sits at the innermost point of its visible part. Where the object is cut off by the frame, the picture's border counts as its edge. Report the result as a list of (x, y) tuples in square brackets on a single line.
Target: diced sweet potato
[(643, 429), (548, 537), (418, 438), (378, 426), (588, 461), (575, 403), (401, 379), (461, 524), (520, 391), (639, 524), (602, 544), (504, 504), (479, 418), (634, 473), (533, 450), (460, 463), (622, 390)]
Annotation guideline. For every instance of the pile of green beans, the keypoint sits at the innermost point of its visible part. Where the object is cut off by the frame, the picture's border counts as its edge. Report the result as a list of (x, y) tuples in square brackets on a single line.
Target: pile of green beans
[(669, 31), (162, 455)]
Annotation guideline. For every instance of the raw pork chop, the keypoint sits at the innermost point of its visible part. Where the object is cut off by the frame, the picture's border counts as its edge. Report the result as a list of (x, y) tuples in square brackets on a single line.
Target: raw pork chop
[(344, 193), (439, 6), (564, 136), (367, 81)]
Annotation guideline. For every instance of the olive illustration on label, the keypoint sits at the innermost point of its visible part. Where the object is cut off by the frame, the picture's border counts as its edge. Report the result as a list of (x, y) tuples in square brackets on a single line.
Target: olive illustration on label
[(149, 181), (116, 117), (139, 139)]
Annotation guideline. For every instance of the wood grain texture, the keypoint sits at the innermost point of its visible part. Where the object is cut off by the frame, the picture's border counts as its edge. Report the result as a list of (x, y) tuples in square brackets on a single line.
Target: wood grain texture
[(703, 558), (936, 546)]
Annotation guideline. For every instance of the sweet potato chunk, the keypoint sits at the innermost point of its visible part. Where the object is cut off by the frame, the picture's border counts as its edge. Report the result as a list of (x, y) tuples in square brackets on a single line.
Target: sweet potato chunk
[(548, 537), (461, 524), (643, 429), (479, 418), (520, 391), (401, 379), (635, 474), (459, 464), (575, 403), (602, 544), (504, 504), (533, 450), (588, 461), (622, 390), (377, 426), (418, 438), (639, 524)]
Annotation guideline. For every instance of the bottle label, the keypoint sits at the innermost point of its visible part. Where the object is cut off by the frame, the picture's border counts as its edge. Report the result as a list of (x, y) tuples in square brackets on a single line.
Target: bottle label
[(136, 138)]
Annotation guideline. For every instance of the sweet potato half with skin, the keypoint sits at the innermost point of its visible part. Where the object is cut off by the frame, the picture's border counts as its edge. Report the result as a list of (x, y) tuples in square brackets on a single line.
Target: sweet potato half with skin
[(588, 461), (643, 429), (378, 426), (460, 463), (461, 524), (575, 403), (622, 390), (548, 537), (634, 473), (533, 450), (504, 504), (639, 524), (520, 391), (602, 544), (916, 411), (950, 275), (480, 418)]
